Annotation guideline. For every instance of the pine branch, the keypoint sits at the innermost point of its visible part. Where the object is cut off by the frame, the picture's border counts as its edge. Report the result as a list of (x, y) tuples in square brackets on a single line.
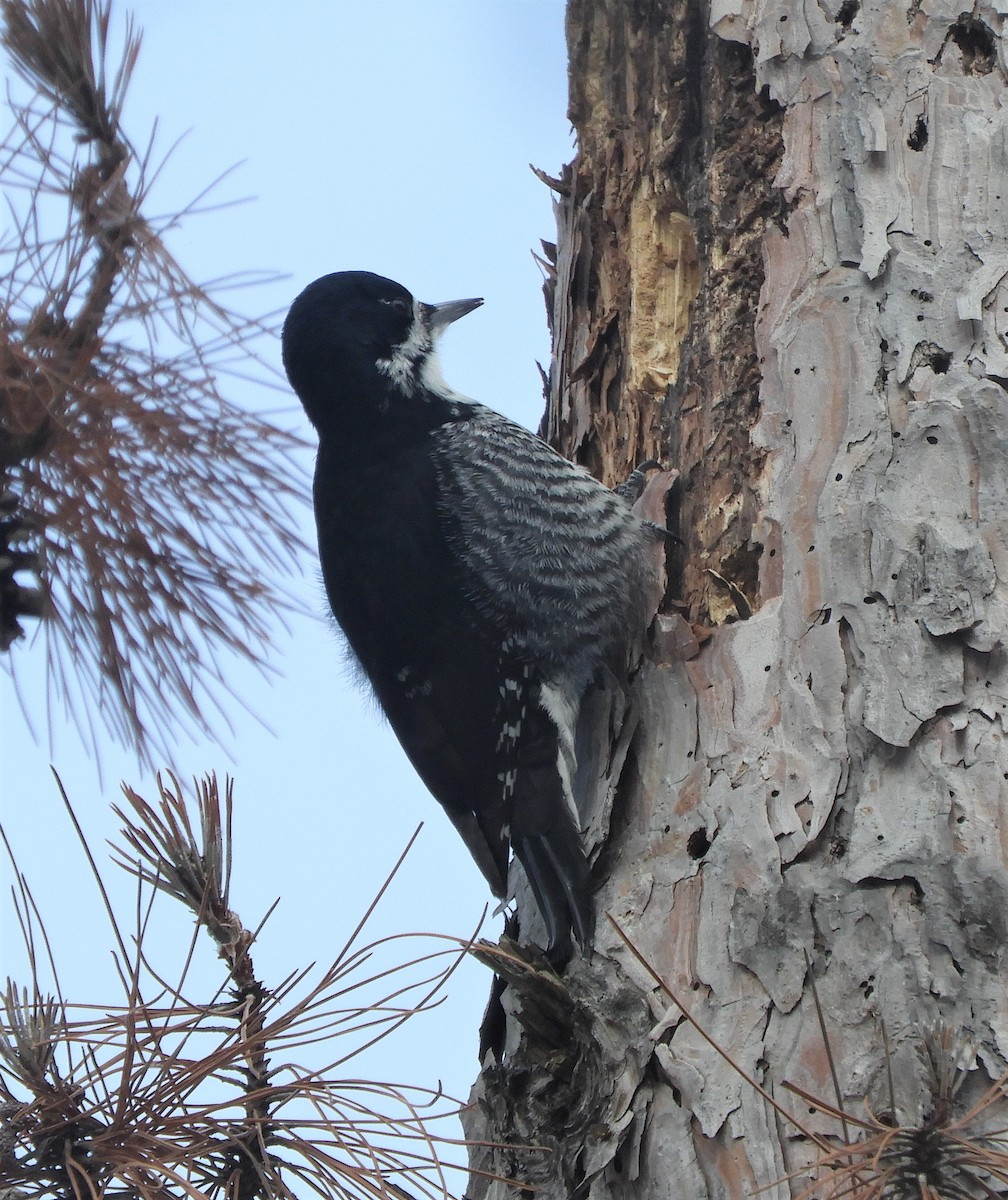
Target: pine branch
[(151, 515), (161, 1097)]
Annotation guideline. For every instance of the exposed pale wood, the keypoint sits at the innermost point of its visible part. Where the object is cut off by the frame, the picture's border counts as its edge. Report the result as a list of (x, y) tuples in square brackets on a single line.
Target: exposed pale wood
[(815, 794), (627, 266)]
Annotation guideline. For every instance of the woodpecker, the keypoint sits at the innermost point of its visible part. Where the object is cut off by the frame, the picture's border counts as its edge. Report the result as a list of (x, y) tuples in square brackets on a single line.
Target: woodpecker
[(481, 580)]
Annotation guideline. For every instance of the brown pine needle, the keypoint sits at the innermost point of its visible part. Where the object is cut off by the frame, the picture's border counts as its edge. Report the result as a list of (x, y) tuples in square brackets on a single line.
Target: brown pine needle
[(147, 518), (164, 1098)]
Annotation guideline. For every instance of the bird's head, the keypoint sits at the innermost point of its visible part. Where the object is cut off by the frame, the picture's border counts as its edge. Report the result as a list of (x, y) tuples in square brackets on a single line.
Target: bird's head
[(352, 339)]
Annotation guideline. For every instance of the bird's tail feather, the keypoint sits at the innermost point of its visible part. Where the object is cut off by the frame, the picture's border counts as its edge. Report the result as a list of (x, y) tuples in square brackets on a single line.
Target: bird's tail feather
[(558, 874), (544, 825)]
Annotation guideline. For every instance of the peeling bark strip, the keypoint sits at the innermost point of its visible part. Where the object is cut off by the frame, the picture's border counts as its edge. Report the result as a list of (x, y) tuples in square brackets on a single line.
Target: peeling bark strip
[(654, 347), (627, 267), (728, 171), (818, 796)]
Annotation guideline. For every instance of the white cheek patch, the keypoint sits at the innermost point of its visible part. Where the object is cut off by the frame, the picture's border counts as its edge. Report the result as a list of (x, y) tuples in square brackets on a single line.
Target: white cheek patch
[(431, 377), (401, 365), (415, 361)]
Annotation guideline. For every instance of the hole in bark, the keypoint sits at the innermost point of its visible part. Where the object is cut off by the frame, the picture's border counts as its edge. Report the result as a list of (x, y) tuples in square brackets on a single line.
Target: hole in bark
[(698, 843), (847, 12), (932, 440), (741, 566), (940, 361), (976, 44), (918, 135), (839, 476)]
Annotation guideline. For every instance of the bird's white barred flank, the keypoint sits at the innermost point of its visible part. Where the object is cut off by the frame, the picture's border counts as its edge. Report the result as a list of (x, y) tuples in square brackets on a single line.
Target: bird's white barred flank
[(544, 548)]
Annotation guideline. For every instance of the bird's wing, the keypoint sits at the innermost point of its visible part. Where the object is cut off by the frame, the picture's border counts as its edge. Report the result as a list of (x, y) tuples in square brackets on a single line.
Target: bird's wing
[(553, 565)]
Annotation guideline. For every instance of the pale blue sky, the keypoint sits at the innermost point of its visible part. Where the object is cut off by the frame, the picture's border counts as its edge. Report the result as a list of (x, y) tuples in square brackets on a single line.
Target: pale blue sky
[(390, 136)]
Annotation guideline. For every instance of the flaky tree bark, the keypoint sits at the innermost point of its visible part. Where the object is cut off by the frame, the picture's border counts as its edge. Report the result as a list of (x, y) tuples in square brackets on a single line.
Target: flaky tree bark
[(781, 268)]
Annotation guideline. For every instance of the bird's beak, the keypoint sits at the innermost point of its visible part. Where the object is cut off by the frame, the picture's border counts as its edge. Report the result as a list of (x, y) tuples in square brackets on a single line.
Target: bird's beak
[(440, 316)]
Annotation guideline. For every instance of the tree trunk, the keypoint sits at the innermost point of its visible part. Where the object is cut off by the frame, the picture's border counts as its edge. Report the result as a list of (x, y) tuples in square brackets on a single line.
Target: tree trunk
[(781, 269)]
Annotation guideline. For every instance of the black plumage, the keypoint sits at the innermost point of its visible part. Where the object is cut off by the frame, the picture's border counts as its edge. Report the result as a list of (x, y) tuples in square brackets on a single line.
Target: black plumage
[(482, 581)]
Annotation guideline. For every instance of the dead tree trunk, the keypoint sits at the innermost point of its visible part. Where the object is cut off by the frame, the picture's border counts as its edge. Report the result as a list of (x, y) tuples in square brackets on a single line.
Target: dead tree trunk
[(781, 268)]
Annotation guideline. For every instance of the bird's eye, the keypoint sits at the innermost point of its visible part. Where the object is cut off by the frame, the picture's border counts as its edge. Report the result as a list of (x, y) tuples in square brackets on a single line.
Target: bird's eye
[(399, 304)]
